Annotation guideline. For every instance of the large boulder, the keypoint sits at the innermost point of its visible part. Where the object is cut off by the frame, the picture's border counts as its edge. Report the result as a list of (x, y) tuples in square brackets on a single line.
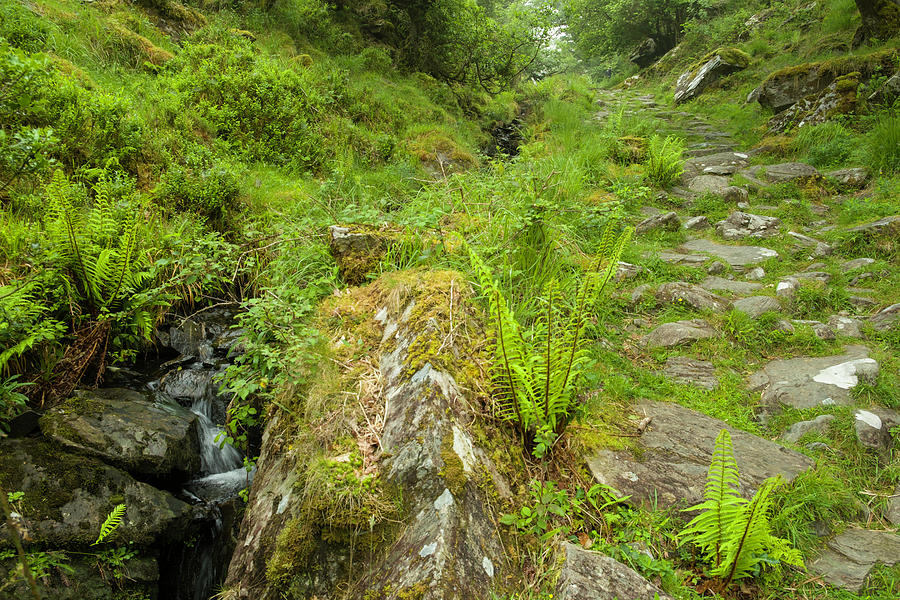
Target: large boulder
[(720, 163), (127, 430), (839, 98), (68, 496), (645, 53), (358, 248), (709, 69)]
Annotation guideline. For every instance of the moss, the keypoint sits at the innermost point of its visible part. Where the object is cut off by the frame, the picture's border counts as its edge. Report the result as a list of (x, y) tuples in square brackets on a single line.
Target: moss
[(142, 48), (454, 473), (440, 151), (883, 60), (293, 548), (630, 150), (304, 60)]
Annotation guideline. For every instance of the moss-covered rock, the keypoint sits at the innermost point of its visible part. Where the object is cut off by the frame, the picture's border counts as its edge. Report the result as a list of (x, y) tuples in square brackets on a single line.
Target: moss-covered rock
[(358, 248), (880, 19), (709, 69), (839, 98)]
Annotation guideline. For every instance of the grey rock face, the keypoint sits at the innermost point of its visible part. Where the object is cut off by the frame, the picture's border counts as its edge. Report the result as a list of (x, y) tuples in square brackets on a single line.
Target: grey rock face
[(850, 557), (885, 318), (679, 292), (716, 267), (669, 335), (70, 496), (787, 287), (626, 270), (798, 430), (126, 430), (780, 92), (892, 510), (692, 83), (675, 451), (873, 428), (740, 225), (736, 256), (816, 381), (856, 263), (697, 166), (855, 178), (668, 221), (876, 227), (718, 186), (713, 283), (804, 241), (695, 223), (782, 173), (691, 371), (754, 306), (755, 274), (847, 326), (590, 575)]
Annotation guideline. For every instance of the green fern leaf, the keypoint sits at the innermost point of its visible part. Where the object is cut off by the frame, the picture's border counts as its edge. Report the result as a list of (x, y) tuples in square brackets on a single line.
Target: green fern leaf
[(112, 522)]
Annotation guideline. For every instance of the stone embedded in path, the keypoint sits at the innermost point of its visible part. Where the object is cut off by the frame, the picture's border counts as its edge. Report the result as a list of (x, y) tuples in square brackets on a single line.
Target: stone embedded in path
[(691, 371), (697, 166), (587, 575), (851, 178), (814, 381), (736, 256), (680, 258), (892, 510), (885, 318), (755, 274), (873, 428), (782, 173), (626, 270), (669, 335), (847, 326), (668, 221), (740, 225), (679, 292), (718, 186), (851, 555), (671, 462), (856, 263), (887, 223), (716, 267), (801, 428), (821, 330), (754, 306), (713, 283), (819, 248)]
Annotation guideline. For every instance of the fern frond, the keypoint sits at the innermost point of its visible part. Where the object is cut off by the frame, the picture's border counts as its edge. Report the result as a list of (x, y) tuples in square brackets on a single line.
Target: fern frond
[(112, 522), (748, 535)]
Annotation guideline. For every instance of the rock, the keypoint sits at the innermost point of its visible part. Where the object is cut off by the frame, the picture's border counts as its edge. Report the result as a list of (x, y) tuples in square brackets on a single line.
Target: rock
[(685, 294), (755, 274), (358, 248), (892, 509), (669, 335), (839, 98), (782, 173), (718, 186), (84, 579), (127, 430), (754, 306), (787, 287), (626, 271), (885, 225), (716, 65), (846, 326), (851, 555), (69, 496), (822, 276), (690, 371), (758, 19), (672, 458), (815, 381), (885, 318), (716, 267), (798, 430), (740, 225), (736, 256), (872, 431), (861, 302), (695, 223), (714, 283), (678, 258), (821, 330), (694, 167), (856, 263), (668, 221), (587, 575), (637, 294), (888, 92), (645, 54), (855, 178), (820, 249)]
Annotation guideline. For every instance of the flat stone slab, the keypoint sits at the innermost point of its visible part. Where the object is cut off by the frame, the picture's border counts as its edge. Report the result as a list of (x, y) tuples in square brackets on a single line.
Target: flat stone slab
[(877, 226), (691, 371), (783, 172), (698, 166), (814, 381), (686, 294), (679, 258), (736, 256), (674, 454), (714, 284), (754, 306), (587, 575), (801, 428), (885, 318), (676, 333), (850, 557)]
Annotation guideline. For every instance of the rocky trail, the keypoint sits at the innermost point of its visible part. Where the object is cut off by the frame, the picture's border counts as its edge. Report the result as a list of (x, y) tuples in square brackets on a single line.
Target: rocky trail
[(737, 254)]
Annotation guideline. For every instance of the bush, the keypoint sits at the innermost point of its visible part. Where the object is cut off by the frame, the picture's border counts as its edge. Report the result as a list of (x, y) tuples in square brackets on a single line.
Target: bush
[(664, 165), (376, 59), (22, 28), (210, 192)]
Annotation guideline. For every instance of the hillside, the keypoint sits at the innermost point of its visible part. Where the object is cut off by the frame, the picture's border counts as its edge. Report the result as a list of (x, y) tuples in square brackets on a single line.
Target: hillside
[(449, 299)]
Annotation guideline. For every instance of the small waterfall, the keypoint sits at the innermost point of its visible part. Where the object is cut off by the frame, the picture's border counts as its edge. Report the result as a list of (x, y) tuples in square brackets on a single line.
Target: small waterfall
[(215, 455)]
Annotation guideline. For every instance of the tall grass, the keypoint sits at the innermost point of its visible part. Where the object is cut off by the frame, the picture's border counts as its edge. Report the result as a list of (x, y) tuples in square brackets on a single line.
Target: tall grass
[(664, 166), (882, 149)]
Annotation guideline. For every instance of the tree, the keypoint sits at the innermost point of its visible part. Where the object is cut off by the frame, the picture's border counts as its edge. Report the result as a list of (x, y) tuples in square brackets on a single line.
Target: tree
[(880, 19)]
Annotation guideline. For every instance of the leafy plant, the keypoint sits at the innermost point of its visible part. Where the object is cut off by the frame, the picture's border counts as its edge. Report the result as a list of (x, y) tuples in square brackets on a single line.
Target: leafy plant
[(12, 401), (664, 166), (732, 533), (112, 522), (536, 376)]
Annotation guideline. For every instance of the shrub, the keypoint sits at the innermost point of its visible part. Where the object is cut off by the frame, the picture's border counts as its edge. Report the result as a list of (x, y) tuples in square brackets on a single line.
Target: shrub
[(664, 165), (210, 192)]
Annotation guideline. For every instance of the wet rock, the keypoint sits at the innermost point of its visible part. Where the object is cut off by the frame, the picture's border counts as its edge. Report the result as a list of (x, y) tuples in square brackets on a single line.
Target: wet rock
[(847, 326), (669, 335), (815, 381), (855, 178), (694, 167), (714, 283), (736, 256), (873, 428), (685, 294), (798, 430), (127, 430), (721, 63), (668, 221), (885, 318), (69, 496), (782, 173), (740, 225), (695, 223), (839, 98), (587, 575), (691, 371), (851, 556), (85, 579), (669, 465), (755, 306)]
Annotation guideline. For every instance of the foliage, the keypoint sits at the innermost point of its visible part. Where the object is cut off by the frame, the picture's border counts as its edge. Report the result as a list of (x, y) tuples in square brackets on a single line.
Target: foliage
[(827, 144), (882, 148), (734, 534), (211, 192), (12, 401), (664, 165), (112, 522), (536, 376)]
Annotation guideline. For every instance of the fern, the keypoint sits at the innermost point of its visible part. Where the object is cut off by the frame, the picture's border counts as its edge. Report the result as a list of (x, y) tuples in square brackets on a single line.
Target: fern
[(112, 522), (733, 534)]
